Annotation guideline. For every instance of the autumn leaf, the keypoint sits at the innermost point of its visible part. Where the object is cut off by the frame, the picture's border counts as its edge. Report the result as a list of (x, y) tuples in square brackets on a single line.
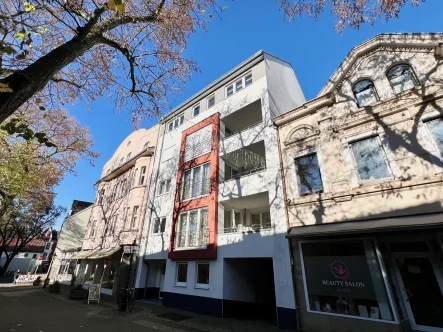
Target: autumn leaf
[(20, 35), (111, 4), (29, 7), (5, 88)]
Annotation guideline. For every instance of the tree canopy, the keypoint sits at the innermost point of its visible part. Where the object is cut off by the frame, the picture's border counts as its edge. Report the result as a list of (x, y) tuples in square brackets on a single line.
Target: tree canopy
[(56, 51)]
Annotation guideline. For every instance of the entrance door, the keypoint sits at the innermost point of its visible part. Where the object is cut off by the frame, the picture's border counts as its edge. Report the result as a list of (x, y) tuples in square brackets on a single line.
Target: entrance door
[(422, 292), (162, 280)]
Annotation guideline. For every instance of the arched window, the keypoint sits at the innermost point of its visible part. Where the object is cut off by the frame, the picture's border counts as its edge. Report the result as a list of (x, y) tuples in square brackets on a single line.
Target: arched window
[(365, 93), (145, 147), (402, 78), (128, 156)]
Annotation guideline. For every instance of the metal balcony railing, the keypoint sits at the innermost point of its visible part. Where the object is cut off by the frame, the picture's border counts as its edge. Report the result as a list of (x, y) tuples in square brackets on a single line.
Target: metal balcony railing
[(196, 189), (246, 228), (195, 148), (191, 239), (240, 174)]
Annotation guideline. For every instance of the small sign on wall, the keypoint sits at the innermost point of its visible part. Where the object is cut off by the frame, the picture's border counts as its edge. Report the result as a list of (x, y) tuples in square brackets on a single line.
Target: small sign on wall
[(24, 278), (94, 293)]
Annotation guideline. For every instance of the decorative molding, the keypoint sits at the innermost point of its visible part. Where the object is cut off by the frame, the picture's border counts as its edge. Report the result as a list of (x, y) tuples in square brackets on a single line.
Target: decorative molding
[(300, 133)]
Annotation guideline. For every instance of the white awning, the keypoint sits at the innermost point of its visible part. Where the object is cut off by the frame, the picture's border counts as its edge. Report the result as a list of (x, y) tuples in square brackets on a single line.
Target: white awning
[(376, 225), (82, 254), (102, 253)]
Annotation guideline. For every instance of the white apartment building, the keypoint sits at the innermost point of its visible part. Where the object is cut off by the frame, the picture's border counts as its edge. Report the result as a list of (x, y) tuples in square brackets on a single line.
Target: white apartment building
[(214, 235)]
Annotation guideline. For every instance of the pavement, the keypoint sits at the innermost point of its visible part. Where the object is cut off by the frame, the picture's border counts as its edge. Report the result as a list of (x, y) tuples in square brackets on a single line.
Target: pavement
[(33, 309)]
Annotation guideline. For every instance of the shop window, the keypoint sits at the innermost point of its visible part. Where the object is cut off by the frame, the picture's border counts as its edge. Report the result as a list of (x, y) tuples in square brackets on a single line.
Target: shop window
[(308, 174), (202, 275), (436, 129), (370, 159), (402, 78), (345, 278), (182, 274), (365, 93)]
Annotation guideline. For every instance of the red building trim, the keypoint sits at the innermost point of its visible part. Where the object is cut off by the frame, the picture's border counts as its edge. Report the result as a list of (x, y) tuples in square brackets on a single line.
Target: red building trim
[(210, 201)]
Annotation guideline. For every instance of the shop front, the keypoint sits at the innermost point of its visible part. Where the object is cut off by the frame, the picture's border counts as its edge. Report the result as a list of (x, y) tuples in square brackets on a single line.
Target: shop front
[(385, 280)]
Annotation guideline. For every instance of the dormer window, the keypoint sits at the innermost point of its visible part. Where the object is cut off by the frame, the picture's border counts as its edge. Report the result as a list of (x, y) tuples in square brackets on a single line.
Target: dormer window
[(402, 78), (365, 93)]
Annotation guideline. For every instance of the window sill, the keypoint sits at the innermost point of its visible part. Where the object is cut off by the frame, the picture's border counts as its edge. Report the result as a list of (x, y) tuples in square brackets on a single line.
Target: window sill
[(196, 197), (371, 182), (190, 248), (201, 286), (163, 194), (180, 284)]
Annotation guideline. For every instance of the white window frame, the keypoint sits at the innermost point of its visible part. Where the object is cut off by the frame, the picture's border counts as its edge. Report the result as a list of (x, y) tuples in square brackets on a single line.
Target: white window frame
[(141, 177), (198, 285), (260, 212), (208, 99), (200, 180), (194, 108), (234, 225), (295, 179), (164, 187), (383, 276), (181, 283), (176, 122), (387, 153), (134, 218), (428, 139), (92, 231), (179, 230), (233, 84)]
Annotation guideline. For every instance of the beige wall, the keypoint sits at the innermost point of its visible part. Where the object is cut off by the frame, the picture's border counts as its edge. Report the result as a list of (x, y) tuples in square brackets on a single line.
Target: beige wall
[(327, 124), (115, 229)]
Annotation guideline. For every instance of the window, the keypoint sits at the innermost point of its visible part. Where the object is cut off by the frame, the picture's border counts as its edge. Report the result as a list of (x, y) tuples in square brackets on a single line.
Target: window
[(238, 85), (230, 91), (112, 224), (370, 159), (436, 129), (126, 214), (364, 92), (211, 101), (129, 143), (308, 174), (34, 256), (142, 175), (202, 275), (192, 229), (122, 161), (196, 182), (196, 111), (145, 146), (48, 245), (198, 143), (248, 79), (182, 274), (164, 187), (134, 217), (260, 220), (128, 156), (176, 122), (334, 268), (159, 225), (402, 78)]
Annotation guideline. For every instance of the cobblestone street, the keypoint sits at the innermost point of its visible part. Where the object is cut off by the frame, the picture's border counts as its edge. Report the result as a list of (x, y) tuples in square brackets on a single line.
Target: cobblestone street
[(32, 309)]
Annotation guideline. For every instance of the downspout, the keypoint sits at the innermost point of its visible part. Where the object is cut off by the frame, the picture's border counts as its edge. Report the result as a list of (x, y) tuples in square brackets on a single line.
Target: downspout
[(291, 252), (154, 191)]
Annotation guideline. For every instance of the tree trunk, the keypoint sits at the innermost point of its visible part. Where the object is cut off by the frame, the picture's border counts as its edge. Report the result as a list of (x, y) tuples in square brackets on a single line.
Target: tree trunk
[(27, 82), (4, 268)]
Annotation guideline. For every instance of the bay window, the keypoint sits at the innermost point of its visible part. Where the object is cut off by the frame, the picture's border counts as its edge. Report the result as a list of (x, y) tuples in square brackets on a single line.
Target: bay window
[(196, 182), (192, 229)]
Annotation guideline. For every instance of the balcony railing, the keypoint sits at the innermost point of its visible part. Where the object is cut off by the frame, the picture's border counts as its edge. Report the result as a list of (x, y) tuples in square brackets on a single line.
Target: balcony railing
[(196, 189), (191, 239), (246, 228), (244, 173), (195, 149)]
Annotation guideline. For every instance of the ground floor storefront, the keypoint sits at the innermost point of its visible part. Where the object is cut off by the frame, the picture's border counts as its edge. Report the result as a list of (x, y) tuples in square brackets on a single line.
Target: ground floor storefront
[(242, 288), (388, 280)]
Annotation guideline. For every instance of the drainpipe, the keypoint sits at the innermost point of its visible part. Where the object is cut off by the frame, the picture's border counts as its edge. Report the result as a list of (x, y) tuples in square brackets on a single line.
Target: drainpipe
[(155, 190), (291, 252)]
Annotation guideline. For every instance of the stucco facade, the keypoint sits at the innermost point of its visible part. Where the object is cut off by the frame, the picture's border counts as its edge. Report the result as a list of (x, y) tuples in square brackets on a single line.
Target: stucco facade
[(369, 177), (118, 212), (216, 202)]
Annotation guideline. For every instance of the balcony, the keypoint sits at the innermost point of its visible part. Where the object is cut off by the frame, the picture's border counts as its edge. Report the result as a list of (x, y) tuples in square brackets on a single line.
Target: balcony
[(190, 240), (244, 161)]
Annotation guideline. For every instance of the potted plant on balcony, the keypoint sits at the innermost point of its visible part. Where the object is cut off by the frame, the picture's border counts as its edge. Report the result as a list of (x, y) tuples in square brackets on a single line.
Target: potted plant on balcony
[(55, 287)]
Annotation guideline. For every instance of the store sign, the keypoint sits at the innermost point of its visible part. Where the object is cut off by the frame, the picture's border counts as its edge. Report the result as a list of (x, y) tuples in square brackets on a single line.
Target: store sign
[(64, 277), (345, 276), (94, 293)]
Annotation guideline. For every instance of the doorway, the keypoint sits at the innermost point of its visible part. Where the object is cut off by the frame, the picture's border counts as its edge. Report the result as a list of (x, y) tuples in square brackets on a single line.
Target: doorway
[(421, 286), (162, 280)]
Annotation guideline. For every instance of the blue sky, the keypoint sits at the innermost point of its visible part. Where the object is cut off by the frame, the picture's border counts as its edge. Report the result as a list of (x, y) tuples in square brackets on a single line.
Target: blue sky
[(312, 47)]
